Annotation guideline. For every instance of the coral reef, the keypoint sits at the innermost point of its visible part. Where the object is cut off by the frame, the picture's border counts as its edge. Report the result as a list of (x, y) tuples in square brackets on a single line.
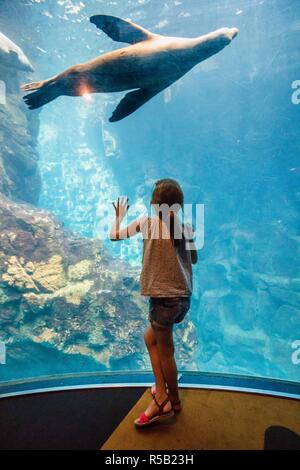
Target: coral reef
[(64, 290)]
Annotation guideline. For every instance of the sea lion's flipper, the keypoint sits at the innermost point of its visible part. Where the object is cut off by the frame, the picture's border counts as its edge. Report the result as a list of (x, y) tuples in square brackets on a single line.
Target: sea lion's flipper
[(40, 97), (121, 30), (132, 101)]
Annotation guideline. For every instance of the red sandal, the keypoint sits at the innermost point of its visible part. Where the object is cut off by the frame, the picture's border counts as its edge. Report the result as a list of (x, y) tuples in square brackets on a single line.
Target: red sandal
[(176, 405), (144, 420)]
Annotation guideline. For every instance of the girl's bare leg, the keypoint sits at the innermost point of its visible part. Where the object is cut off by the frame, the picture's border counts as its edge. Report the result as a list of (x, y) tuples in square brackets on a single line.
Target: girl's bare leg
[(151, 344), (160, 382), (166, 350)]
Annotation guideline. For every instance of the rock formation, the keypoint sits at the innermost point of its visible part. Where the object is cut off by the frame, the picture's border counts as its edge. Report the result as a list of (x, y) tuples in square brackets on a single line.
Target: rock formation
[(19, 173)]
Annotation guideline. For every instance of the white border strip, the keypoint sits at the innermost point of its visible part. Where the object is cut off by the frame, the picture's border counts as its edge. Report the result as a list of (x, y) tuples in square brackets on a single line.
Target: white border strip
[(148, 384)]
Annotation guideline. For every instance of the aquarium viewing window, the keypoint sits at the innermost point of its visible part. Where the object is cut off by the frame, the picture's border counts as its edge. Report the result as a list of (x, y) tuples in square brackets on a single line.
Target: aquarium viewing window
[(220, 116)]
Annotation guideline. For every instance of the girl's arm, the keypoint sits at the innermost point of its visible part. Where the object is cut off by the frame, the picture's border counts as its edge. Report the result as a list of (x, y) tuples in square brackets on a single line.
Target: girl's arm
[(116, 233)]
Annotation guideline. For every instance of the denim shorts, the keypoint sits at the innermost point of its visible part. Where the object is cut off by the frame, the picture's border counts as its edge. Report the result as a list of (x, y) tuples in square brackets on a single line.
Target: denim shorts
[(168, 310)]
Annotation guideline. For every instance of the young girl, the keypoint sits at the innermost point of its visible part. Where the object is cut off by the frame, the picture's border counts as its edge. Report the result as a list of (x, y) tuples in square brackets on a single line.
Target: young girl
[(166, 277)]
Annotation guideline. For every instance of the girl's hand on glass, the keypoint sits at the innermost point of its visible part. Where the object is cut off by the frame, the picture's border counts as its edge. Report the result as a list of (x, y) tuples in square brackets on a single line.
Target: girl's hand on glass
[(121, 207)]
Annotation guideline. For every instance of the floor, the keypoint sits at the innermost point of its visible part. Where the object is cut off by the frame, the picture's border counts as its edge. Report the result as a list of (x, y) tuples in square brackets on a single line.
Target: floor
[(103, 419)]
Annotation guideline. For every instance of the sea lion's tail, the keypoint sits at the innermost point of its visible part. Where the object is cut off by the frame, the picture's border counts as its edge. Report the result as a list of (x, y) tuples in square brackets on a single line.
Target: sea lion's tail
[(43, 94)]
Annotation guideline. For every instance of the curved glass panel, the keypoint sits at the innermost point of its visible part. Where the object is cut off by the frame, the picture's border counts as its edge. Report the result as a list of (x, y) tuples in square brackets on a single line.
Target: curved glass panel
[(227, 131)]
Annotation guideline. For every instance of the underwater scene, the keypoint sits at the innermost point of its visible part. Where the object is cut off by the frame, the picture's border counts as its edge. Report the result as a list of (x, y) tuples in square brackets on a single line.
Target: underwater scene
[(219, 114)]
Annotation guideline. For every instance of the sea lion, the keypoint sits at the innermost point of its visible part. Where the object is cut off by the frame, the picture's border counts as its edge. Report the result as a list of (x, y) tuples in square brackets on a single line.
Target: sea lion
[(149, 65), (12, 55)]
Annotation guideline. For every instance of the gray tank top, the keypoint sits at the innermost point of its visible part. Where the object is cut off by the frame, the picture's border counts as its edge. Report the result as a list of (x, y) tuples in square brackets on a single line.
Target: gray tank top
[(166, 269)]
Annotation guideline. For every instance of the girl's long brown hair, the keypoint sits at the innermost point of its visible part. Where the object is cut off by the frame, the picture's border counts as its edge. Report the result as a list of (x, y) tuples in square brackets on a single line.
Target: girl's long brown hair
[(168, 191)]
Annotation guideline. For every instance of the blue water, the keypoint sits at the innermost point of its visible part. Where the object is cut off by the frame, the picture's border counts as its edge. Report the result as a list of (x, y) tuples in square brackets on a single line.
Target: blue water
[(228, 132)]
